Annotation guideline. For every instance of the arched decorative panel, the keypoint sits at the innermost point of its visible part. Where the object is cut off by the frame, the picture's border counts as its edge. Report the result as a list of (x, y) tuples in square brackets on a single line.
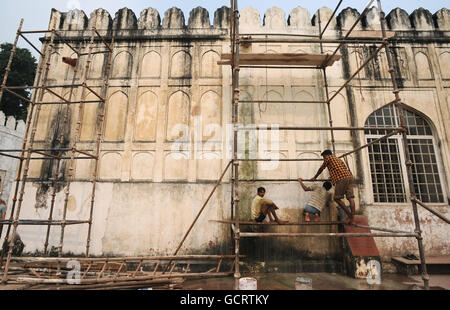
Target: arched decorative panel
[(116, 113), (146, 116)]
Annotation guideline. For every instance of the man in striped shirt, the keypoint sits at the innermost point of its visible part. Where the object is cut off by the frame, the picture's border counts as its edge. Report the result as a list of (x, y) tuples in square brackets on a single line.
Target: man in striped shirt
[(342, 179), (318, 200)]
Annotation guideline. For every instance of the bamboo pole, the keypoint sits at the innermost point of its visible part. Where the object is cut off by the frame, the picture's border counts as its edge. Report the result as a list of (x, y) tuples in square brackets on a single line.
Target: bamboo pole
[(58, 162), (431, 210), (272, 224), (124, 279), (363, 14), (99, 137), (254, 234), (311, 41), (11, 56), (75, 137), (329, 20), (278, 101), (360, 68), (235, 119), (325, 83), (32, 45), (200, 212), (128, 259), (271, 127), (30, 114), (27, 162)]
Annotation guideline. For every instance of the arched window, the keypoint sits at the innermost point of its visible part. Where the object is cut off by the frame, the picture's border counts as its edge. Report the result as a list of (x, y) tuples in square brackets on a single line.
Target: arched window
[(389, 180)]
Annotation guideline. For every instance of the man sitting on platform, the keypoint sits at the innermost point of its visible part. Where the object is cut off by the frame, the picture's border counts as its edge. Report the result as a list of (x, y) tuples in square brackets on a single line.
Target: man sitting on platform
[(261, 207), (319, 199)]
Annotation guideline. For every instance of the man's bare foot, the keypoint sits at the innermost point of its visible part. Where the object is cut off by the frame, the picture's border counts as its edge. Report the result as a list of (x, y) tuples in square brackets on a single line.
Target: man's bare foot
[(307, 219), (281, 222), (316, 218), (272, 221)]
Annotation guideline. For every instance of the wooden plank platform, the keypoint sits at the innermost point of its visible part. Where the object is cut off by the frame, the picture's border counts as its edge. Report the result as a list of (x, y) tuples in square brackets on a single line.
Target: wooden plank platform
[(282, 59), (361, 246), (435, 265), (441, 260)]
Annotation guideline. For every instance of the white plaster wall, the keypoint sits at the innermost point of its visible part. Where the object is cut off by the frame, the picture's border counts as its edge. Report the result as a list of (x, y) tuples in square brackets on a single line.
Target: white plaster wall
[(11, 136)]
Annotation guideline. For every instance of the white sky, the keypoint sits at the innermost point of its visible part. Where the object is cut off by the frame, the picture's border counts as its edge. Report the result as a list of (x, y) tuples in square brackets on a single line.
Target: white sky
[(36, 13)]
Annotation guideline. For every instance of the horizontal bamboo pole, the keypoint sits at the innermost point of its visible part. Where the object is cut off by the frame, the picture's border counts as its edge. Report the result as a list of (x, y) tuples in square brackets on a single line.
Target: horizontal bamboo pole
[(311, 41), (46, 86), (281, 159), (71, 102), (35, 31), (278, 101), (281, 180), (259, 127), (280, 67), (119, 259), (43, 222), (276, 224), (379, 229), (280, 34)]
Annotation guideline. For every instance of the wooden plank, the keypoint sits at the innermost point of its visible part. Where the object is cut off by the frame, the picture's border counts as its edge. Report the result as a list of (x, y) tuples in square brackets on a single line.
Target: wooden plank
[(361, 246), (287, 59), (441, 260)]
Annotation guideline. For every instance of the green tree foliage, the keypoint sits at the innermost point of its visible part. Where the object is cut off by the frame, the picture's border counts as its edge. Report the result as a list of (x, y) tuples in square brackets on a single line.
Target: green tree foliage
[(23, 70)]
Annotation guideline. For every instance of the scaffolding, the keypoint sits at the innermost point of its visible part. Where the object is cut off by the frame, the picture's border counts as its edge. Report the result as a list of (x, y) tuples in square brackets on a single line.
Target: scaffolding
[(104, 272), (319, 62), (72, 153), (163, 272)]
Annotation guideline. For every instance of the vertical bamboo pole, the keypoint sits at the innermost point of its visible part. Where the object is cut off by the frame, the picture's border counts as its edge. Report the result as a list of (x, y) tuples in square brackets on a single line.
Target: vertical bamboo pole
[(232, 43), (5, 78), (75, 139), (11, 56), (397, 103), (30, 147), (99, 138), (325, 83), (235, 119), (28, 122)]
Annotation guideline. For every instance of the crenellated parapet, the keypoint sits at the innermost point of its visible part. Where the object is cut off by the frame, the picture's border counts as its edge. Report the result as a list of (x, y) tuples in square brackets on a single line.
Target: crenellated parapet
[(125, 19), (274, 18), (11, 124)]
